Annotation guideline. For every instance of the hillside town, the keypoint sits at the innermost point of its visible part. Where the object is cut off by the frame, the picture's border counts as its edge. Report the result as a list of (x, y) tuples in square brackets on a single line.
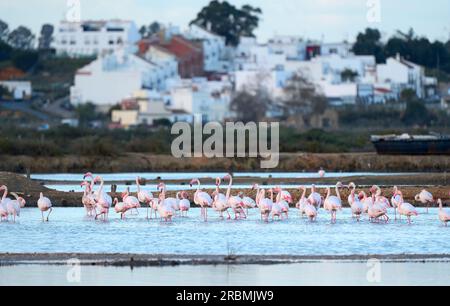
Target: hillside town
[(134, 76)]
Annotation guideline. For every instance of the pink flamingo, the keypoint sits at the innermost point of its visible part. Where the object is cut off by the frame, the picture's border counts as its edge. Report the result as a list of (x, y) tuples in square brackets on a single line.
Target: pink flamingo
[(184, 204), (376, 209), (264, 204), (220, 202), (13, 206), (165, 209), (3, 204), (277, 209), (131, 201), (202, 199), (102, 202), (285, 200), (248, 202), (234, 202), (354, 202), (88, 199), (145, 197), (425, 198), (333, 203), (302, 202), (321, 173), (406, 209), (444, 215), (44, 204), (120, 208), (315, 198), (384, 202), (395, 201)]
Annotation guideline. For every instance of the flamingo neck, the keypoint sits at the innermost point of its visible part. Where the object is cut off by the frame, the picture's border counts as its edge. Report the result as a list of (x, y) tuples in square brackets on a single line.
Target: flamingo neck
[(338, 194), (229, 187)]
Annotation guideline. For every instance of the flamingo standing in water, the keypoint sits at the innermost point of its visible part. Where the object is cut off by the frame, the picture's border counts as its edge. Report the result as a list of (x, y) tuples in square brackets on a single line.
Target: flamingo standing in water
[(354, 202), (3, 203), (315, 198), (201, 199), (321, 173), (103, 200), (120, 208), (277, 208), (234, 202), (220, 202), (425, 198), (375, 209), (285, 200), (88, 199), (165, 206), (264, 204), (302, 202), (13, 206), (333, 203), (444, 215), (145, 197), (131, 201), (184, 204), (383, 201), (44, 204), (395, 201), (248, 202), (406, 209)]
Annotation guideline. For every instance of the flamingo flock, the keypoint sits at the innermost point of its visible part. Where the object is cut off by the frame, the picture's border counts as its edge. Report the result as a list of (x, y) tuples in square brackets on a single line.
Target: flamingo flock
[(273, 204)]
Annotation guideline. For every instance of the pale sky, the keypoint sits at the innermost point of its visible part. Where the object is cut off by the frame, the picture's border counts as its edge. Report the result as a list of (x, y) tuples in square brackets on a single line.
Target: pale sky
[(331, 20)]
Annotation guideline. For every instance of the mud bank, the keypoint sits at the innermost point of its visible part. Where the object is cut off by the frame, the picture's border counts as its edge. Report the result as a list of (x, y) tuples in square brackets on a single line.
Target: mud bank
[(148, 260), (139, 162)]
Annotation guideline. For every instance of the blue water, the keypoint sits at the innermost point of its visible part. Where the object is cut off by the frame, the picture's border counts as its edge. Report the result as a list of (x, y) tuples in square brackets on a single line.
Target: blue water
[(189, 175), (69, 231)]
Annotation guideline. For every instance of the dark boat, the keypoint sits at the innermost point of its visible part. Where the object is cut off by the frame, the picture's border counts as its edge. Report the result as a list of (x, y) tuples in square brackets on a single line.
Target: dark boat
[(433, 144)]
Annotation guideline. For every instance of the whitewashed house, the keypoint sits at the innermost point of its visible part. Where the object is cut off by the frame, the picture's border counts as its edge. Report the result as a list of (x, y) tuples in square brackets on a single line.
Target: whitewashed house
[(91, 38), (214, 48), (113, 77)]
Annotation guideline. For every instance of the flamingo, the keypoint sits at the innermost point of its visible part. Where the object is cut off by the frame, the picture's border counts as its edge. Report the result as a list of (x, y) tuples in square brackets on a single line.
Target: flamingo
[(384, 202), (376, 208), (234, 202), (321, 173), (220, 202), (277, 208), (425, 198), (444, 215), (315, 198), (302, 202), (202, 199), (395, 201), (406, 209), (145, 197), (184, 204), (88, 199), (354, 202), (120, 208), (131, 201), (13, 206), (3, 204), (103, 200), (165, 206), (264, 204), (333, 203), (285, 200), (44, 204), (249, 203)]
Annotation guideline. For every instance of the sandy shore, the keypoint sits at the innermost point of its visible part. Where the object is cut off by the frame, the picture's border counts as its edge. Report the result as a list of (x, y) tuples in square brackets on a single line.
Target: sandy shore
[(149, 260)]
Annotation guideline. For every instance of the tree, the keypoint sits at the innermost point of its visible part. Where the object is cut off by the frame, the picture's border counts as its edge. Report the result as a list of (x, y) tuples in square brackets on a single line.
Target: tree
[(250, 107), (147, 31), (5, 51), (21, 38), (4, 30), (349, 75), (228, 21), (46, 37), (4, 92), (369, 43), (416, 112), (24, 59), (303, 97), (86, 113)]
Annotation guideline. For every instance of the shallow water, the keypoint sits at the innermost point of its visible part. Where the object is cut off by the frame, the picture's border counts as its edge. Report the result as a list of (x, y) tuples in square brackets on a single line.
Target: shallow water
[(311, 274), (69, 231), (189, 175)]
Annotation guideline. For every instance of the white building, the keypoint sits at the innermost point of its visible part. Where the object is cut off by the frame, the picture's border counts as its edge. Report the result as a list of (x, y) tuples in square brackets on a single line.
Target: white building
[(402, 74), (90, 38), (293, 47), (19, 89), (214, 48), (211, 99), (113, 77)]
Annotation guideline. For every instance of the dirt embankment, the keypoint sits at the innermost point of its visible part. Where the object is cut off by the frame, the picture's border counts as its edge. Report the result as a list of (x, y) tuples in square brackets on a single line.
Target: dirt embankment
[(30, 189), (137, 162)]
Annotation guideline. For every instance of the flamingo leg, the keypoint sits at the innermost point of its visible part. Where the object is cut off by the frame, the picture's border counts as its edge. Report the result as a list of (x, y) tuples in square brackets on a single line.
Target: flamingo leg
[(51, 209)]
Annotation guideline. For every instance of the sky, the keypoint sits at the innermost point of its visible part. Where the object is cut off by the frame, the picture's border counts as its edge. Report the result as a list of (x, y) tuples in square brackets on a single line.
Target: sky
[(329, 20)]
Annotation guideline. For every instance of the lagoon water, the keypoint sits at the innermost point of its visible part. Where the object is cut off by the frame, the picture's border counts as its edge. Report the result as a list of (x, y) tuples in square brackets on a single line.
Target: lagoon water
[(70, 231)]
